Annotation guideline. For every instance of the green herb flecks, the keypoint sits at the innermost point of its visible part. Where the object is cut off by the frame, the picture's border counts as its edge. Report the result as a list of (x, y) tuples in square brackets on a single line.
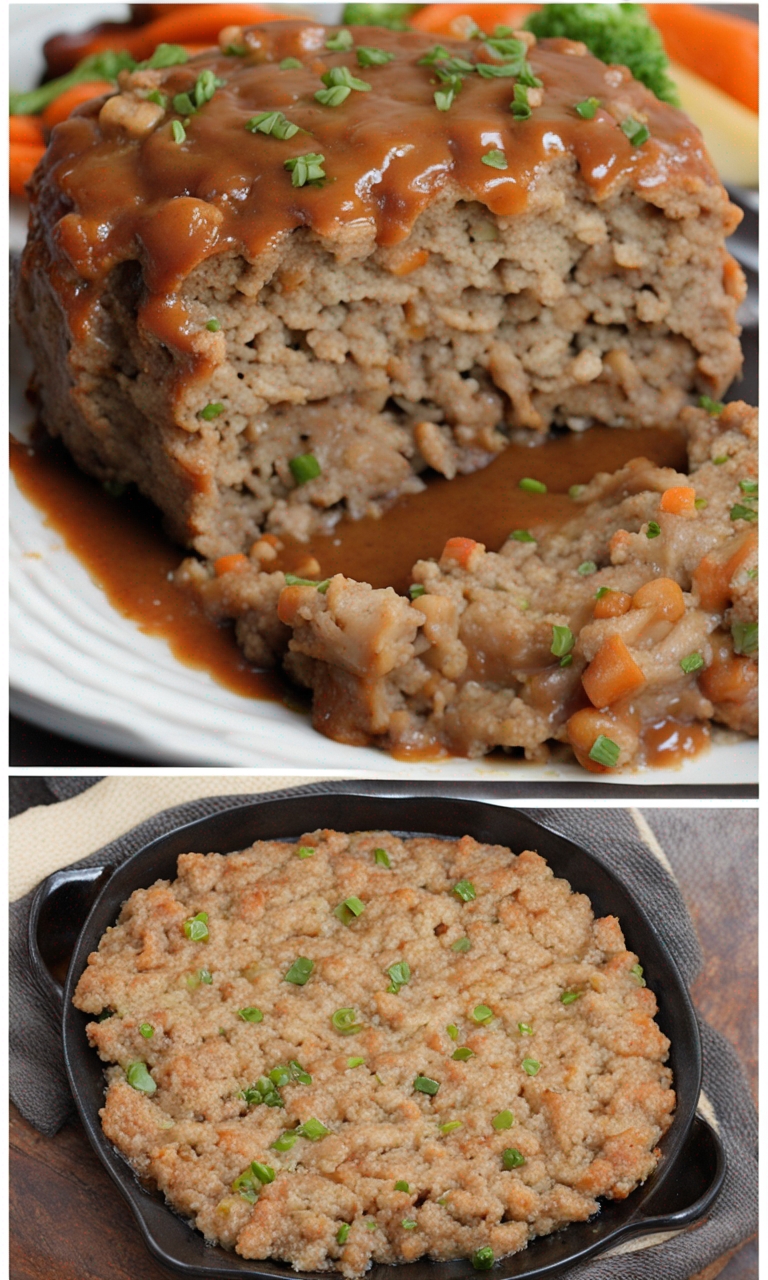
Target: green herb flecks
[(635, 131), (250, 1014), (138, 1077), (605, 751), (381, 858), (291, 580), (465, 890), (272, 123), (300, 971), (587, 109), (304, 468), (424, 1084), (521, 535), (495, 159), (745, 637), (463, 1053), (691, 662), (196, 928), (461, 944), (531, 1067), (399, 976), (349, 910), (306, 169), (483, 1259), (653, 530), (521, 110), (340, 42), (370, 56), (511, 1158), (345, 1021), (504, 1120)]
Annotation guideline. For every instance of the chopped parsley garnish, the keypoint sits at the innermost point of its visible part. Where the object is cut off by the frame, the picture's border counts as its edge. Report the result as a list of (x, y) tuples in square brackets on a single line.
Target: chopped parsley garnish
[(511, 1158), (138, 1077), (423, 1084), (497, 70), (700, 503), (300, 971), (345, 1022), (745, 637), (250, 1014), (713, 407), (399, 976), (636, 132), (692, 662), (165, 55), (602, 591), (575, 490), (369, 56), (305, 169), (504, 1120), (653, 529), (334, 96), (293, 1073), (495, 159), (587, 109), (465, 890), (605, 751), (203, 90), (272, 123), (196, 928), (305, 468)]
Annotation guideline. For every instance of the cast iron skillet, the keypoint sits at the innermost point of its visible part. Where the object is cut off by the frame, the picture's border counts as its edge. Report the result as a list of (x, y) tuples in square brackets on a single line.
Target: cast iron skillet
[(679, 1193)]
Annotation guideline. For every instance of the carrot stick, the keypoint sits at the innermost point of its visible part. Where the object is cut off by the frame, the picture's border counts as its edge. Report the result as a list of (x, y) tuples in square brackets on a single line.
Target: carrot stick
[(196, 24), (446, 19), (26, 129), (717, 46), (63, 106), (23, 159)]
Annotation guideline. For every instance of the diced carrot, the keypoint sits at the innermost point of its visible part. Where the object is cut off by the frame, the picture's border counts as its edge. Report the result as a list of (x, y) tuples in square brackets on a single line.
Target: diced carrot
[(663, 595), (720, 47), (680, 500), (714, 573), (289, 603), (411, 263), (459, 550), (26, 129), (731, 680), (612, 674), (23, 160), (613, 604), (446, 19), (230, 564), (584, 728), (63, 106)]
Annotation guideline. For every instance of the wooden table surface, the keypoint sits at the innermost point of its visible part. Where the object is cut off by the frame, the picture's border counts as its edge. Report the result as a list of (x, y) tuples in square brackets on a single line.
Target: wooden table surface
[(68, 1221)]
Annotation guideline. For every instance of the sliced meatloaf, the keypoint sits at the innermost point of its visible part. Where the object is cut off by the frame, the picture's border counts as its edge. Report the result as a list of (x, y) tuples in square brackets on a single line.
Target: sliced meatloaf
[(632, 622), (261, 341)]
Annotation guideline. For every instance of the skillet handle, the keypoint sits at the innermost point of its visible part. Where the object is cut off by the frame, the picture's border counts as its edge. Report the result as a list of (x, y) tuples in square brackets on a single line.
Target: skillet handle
[(57, 914), (687, 1195)]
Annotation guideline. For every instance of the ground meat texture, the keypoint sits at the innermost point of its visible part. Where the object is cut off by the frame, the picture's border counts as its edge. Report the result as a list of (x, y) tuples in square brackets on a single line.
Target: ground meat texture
[(656, 569), (530, 1017), (411, 311)]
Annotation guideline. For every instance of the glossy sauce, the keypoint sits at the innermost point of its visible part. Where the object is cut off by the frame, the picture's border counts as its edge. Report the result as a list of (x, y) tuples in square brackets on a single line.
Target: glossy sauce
[(389, 153)]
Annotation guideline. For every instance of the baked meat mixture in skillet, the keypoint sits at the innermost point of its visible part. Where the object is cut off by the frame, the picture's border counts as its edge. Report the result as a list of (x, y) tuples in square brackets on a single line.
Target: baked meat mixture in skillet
[(360, 1049)]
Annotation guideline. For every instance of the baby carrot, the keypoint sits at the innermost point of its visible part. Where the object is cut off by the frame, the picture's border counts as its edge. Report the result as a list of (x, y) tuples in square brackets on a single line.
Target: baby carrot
[(719, 47), (63, 106), (446, 19), (23, 159), (26, 129)]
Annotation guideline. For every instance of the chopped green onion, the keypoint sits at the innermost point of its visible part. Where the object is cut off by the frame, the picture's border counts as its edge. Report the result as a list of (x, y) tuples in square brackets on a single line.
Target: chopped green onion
[(334, 96), (749, 487), (342, 76), (213, 326), (264, 1172), (586, 568), (745, 638), (452, 1125), (159, 99), (692, 662), (453, 1030), (483, 1259), (531, 1067), (752, 573), (494, 70), (262, 1093), (290, 64), (211, 411), (740, 512), (605, 751), (305, 851), (341, 41), (291, 580), (636, 132), (399, 975), (495, 159), (723, 457), (521, 535), (304, 468), (285, 1141), (461, 944), (165, 55), (511, 1158), (272, 123), (345, 1022), (354, 1062), (525, 1028), (349, 910), (138, 1077), (183, 103), (299, 971), (602, 591), (465, 890), (196, 928), (713, 407), (569, 997), (312, 1129), (444, 98), (178, 131), (416, 590), (250, 1014), (653, 529), (519, 106), (587, 108), (306, 169), (369, 56), (408, 1224), (532, 486), (423, 1084), (700, 503), (381, 858), (575, 490), (567, 661), (146, 1030), (402, 1186), (482, 1014), (637, 972), (342, 1234), (504, 1120), (463, 1054), (372, 1226), (562, 641)]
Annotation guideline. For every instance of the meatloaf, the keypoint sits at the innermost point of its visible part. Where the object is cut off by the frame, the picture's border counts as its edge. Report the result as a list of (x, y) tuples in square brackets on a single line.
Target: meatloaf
[(359, 1049), (621, 633), (487, 236)]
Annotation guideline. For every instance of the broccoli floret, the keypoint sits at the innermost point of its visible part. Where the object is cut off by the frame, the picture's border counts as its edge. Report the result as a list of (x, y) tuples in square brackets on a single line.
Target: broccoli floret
[(394, 16), (620, 33)]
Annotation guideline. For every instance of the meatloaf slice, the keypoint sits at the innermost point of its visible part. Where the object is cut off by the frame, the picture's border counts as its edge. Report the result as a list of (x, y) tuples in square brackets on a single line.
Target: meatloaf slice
[(635, 619), (259, 347)]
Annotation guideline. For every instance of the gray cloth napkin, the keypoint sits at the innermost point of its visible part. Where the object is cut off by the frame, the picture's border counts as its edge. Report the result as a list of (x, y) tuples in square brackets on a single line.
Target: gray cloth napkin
[(38, 1083)]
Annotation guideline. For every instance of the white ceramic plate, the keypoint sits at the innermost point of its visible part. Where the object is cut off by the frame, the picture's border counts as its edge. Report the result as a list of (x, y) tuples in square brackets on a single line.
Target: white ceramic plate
[(81, 669)]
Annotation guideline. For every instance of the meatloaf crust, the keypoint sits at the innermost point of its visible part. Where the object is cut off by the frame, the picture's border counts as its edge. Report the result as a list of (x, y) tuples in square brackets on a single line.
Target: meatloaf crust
[(464, 1059), (198, 322)]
